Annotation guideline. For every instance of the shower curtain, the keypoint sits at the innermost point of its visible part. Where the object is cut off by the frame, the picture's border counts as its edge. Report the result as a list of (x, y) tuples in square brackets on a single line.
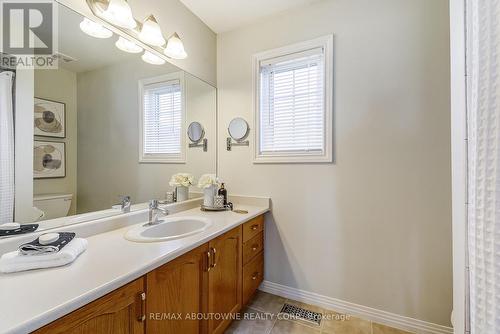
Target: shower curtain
[(6, 148), (483, 109)]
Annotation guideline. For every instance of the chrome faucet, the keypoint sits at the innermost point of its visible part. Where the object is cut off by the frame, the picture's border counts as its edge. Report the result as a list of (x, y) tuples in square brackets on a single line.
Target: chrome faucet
[(125, 203), (154, 210)]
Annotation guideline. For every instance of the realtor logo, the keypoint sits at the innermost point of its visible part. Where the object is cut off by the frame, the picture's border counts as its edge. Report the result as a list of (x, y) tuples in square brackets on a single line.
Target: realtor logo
[(29, 32)]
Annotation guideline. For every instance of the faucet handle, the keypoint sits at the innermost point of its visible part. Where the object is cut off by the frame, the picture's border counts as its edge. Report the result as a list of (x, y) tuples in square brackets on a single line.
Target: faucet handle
[(124, 198), (153, 204)]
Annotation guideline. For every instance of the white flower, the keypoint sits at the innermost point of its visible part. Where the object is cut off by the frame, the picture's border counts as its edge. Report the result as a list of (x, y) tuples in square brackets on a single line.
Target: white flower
[(181, 179), (207, 180)]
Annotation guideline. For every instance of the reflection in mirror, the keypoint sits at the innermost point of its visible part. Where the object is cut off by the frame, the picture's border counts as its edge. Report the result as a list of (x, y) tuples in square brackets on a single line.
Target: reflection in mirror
[(196, 132), (238, 129), (108, 123)]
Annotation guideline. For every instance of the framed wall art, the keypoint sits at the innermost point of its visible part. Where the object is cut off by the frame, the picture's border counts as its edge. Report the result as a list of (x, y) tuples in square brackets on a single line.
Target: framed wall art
[(49, 118), (49, 160)]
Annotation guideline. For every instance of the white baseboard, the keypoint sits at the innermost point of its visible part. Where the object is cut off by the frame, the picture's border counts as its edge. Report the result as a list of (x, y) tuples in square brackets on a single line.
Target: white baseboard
[(368, 313)]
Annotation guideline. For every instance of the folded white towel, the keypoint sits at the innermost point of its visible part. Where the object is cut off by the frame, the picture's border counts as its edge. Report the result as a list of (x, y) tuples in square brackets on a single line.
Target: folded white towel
[(15, 261)]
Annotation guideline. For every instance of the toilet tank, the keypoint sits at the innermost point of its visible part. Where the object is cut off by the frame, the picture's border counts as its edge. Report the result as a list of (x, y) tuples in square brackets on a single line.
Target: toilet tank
[(53, 205)]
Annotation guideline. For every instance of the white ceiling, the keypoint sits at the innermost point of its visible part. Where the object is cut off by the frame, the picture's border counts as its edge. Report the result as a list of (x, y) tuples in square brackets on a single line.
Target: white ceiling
[(225, 15)]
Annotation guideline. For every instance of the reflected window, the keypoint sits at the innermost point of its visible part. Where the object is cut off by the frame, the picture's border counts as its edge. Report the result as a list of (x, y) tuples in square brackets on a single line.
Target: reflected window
[(162, 119)]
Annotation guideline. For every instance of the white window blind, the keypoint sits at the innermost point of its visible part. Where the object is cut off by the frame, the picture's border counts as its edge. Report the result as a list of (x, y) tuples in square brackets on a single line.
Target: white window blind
[(162, 120), (292, 104)]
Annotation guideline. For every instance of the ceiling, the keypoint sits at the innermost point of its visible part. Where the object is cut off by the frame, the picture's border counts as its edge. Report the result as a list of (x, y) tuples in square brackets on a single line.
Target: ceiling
[(225, 15)]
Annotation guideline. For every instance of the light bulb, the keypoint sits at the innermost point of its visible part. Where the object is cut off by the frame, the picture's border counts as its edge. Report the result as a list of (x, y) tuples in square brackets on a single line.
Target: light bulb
[(175, 48), (150, 58), (94, 29), (151, 32), (127, 46), (120, 14)]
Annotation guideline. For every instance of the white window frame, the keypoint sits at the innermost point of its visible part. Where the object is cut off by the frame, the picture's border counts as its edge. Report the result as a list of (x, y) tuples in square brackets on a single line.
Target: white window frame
[(325, 42), (162, 158)]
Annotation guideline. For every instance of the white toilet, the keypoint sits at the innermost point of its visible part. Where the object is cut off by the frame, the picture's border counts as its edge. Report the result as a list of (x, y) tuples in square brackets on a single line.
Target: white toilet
[(53, 205)]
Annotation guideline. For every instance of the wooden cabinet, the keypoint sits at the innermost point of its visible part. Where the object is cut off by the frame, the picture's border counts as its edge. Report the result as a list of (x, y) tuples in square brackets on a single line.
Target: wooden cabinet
[(119, 312), (224, 279), (212, 281), (178, 288), (206, 280)]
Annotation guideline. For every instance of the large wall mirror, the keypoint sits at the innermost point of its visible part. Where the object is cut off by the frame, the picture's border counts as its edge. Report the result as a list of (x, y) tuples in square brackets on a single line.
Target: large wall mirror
[(109, 123)]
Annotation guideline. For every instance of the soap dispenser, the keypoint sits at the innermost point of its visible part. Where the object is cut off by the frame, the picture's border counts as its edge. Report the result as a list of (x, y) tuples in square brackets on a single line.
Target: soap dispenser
[(223, 192)]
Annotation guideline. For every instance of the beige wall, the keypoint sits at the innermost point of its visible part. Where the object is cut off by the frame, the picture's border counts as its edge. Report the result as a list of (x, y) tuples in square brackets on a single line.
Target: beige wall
[(60, 85), (199, 40), (108, 135), (373, 228)]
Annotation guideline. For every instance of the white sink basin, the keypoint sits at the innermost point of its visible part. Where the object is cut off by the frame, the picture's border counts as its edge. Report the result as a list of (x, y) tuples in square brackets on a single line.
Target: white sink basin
[(168, 229)]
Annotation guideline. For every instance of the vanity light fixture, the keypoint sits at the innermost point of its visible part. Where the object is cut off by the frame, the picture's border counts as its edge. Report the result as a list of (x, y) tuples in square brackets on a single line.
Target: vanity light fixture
[(151, 32), (119, 13), (175, 48), (150, 58), (94, 29), (127, 46)]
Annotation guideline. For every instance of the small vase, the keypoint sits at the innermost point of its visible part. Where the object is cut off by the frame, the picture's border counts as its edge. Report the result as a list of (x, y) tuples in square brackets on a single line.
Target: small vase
[(182, 193), (208, 196)]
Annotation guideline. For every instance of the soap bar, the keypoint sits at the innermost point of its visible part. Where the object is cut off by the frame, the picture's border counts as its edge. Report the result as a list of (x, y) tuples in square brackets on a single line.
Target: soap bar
[(48, 238), (9, 226)]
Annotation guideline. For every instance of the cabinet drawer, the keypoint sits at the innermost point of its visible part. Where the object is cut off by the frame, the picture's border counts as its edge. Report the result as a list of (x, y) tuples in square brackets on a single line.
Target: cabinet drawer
[(253, 247), (252, 228), (253, 274)]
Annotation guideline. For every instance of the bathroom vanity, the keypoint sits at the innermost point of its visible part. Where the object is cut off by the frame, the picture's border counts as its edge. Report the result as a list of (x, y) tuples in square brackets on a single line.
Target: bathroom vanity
[(210, 279), (128, 287)]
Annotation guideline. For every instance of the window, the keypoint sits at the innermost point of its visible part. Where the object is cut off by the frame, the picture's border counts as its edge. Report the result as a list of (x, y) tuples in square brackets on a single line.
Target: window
[(162, 119), (293, 102)]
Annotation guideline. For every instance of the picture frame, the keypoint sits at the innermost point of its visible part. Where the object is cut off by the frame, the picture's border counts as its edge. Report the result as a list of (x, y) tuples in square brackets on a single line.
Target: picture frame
[(49, 159), (49, 118)]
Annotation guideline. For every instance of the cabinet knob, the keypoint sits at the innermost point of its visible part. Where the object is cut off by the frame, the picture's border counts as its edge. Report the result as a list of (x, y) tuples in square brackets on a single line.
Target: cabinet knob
[(254, 227), (255, 247), (255, 276)]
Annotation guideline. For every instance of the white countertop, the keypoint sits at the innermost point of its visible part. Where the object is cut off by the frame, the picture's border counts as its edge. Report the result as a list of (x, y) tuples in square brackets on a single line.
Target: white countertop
[(32, 299)]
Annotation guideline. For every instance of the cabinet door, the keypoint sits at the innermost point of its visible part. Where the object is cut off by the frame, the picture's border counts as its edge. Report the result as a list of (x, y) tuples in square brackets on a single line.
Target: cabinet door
[(178, 288), (121, 312), (224, 279)]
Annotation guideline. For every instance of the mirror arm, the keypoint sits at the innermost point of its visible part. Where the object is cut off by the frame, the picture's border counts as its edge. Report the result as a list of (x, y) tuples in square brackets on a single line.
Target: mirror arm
[(203, 144), (230, 143)]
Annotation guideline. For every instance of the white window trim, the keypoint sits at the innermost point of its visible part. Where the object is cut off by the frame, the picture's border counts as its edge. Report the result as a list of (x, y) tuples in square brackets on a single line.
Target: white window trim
[(326, 42), (163, 159)]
